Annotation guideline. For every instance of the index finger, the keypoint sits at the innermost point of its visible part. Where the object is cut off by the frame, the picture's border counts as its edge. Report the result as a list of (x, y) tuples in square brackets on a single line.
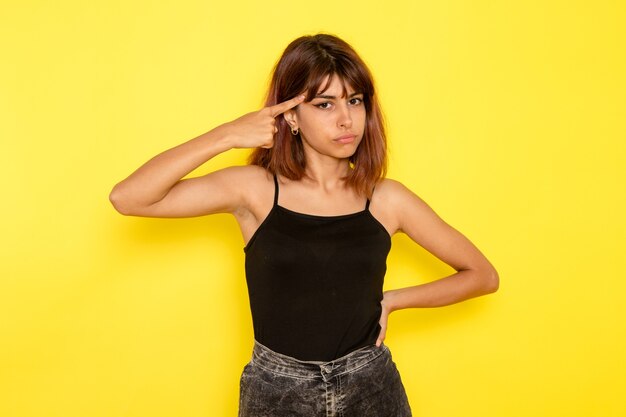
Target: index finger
[(280, 108)]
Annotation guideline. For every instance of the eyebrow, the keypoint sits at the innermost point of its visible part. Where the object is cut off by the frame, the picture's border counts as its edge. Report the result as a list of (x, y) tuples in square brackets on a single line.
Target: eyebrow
[(334, 97)]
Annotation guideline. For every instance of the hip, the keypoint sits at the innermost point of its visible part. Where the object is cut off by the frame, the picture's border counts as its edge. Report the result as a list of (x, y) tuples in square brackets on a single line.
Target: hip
[(365, 382)]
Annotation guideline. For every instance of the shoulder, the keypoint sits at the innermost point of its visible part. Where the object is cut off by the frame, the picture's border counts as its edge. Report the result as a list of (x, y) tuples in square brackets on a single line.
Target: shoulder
[(254, 186), (246, 171), (392, 191), (396, 204), (241, 184), (243, 177)]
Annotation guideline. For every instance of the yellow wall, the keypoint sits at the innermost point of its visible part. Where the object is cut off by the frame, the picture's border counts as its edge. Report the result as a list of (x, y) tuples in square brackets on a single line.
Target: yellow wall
[(508, 118)]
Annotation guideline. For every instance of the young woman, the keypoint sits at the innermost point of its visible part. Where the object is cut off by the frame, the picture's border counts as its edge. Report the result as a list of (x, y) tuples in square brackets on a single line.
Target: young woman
[(317, 216)]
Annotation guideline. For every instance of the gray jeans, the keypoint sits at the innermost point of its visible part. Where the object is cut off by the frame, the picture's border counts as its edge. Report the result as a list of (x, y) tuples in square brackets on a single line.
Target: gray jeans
[(363, 383)]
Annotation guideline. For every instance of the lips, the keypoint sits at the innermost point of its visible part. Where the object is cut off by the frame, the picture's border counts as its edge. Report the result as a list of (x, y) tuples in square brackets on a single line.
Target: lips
[(345, 138)]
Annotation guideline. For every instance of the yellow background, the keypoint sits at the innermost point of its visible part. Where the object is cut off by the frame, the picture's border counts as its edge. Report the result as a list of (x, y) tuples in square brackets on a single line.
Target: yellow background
[(508, 118)]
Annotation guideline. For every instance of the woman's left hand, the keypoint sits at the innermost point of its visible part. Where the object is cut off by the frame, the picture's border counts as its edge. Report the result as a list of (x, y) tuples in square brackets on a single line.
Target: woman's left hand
[(384, 316)]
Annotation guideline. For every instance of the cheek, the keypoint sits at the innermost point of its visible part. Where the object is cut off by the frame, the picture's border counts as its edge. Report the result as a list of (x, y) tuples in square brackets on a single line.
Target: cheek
[(362, 119), (359, 113), (313, 126), (305, 119)]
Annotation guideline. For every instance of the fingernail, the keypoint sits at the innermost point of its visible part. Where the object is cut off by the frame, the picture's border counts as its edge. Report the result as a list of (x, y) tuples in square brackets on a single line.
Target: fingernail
[(301, 97)]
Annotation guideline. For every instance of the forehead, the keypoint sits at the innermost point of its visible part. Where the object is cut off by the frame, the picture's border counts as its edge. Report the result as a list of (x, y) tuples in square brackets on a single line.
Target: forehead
[(335, 85)]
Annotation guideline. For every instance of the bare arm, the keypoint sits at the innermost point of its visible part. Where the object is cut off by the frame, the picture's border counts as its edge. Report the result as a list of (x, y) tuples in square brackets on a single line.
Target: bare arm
[(475, 275), (156, 189)]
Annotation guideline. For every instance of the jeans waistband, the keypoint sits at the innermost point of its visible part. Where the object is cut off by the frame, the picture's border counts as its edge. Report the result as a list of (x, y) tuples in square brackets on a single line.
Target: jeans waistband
[(278, 363)]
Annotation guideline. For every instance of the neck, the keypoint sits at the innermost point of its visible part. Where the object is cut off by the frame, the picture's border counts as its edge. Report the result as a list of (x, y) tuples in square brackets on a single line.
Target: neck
[(326, 171)]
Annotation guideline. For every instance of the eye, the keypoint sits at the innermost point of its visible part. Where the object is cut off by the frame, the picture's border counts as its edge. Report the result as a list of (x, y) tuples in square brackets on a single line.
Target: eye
[(356, 100), (323, 105)]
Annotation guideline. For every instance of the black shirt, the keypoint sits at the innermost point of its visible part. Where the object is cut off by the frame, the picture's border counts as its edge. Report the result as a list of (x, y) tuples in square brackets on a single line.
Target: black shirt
[(315, 282)]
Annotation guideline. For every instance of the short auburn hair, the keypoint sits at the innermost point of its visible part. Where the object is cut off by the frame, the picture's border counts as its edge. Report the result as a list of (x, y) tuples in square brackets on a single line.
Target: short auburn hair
[(302, 68)]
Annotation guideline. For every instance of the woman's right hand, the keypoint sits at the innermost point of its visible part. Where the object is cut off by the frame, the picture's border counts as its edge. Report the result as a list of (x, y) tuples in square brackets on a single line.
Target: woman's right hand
[(257, 129)]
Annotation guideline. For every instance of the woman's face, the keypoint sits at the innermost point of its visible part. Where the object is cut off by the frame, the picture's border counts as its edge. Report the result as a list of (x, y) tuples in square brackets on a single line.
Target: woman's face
[(330, 124)]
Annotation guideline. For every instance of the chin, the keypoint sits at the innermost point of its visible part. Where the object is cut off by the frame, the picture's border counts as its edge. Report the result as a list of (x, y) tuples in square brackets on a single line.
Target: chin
[(345, 154)]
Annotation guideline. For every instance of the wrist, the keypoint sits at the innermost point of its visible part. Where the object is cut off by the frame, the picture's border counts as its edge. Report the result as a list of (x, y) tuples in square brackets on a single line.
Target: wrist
[(222, 138), (388, 301)]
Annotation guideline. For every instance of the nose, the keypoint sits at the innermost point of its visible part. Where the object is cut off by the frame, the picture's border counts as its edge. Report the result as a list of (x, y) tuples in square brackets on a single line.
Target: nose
[(344, 118)]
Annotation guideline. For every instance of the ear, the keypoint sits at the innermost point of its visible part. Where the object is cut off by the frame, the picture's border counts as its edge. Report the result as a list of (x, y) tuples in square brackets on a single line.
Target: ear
[(291, 118)]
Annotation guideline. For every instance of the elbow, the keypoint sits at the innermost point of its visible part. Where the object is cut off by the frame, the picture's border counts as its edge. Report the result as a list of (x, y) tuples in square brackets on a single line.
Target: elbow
[(119, 202), (491, 281)]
